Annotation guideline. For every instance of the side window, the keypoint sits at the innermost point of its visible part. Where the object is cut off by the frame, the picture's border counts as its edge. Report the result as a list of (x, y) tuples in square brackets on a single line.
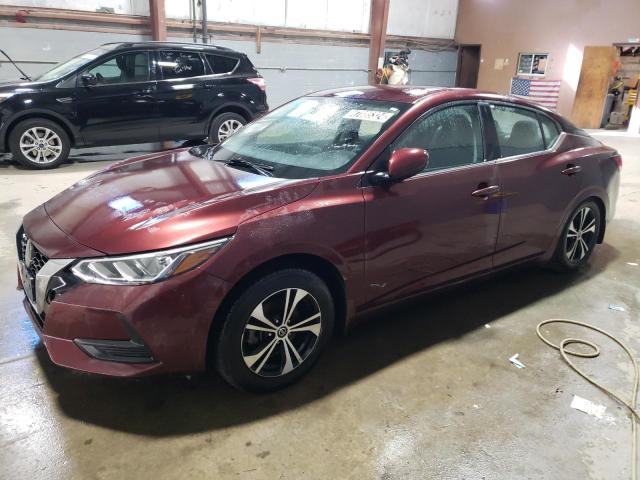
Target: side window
[(549, 130), (452, 136), (518, 130), (220, 64), (124, 68), (180, 64)]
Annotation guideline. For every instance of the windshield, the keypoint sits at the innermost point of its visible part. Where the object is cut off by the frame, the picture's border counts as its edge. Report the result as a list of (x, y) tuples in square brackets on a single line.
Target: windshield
[(61, 69), (311, 136)]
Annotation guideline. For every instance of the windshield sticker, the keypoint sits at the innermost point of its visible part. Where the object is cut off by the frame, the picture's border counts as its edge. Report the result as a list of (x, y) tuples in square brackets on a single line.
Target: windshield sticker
[(370, 115)]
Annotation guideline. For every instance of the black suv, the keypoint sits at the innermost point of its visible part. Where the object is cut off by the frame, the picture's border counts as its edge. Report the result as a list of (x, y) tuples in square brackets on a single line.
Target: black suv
[(123, 93)]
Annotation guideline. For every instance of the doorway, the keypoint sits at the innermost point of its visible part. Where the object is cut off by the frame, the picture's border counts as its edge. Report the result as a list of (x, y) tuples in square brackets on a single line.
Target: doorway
[(468, 66)]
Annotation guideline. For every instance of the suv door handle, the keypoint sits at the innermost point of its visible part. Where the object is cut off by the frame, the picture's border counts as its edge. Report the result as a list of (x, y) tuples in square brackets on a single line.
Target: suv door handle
[(145, 92), (571, 169), (484, 191)]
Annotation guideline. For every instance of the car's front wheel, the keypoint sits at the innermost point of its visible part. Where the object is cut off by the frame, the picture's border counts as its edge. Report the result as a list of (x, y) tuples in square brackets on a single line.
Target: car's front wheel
[(275, 330), (225, 125), (39, 143), (579, 237)]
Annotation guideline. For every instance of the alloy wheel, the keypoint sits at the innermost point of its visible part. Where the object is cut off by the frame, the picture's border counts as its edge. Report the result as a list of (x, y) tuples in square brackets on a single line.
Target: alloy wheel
[(228, 128), (581, 234), (40, 145), (281, 332)]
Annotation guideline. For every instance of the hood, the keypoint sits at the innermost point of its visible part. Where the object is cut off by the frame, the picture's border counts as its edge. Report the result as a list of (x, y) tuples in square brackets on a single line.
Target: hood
[(164, 200), (18, 86)]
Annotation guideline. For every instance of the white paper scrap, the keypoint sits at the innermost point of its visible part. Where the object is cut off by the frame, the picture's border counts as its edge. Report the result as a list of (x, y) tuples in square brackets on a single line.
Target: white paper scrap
[(633, 264), (588, 407), (617, 308), (515, 361)]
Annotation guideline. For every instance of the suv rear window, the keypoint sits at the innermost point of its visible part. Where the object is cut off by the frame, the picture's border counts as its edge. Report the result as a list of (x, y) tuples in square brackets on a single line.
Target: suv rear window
[(180, 64), (220, 64)]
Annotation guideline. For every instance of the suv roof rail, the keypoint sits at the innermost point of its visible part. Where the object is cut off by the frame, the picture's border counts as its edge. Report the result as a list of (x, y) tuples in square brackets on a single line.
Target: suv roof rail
[(168, 43)]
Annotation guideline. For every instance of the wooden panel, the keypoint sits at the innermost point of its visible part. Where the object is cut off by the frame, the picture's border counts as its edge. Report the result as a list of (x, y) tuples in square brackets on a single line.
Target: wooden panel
[(597, 69)]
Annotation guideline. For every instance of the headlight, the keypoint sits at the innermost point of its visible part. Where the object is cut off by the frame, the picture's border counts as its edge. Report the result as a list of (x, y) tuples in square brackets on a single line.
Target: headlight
[(5, 96), (145, 267)]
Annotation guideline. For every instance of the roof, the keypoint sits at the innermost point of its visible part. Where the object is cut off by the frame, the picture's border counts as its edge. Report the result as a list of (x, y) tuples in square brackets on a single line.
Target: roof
[(388, 93), (181, 45)]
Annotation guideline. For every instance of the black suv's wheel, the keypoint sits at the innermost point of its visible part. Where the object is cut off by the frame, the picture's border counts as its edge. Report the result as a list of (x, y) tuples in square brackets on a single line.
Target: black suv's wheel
[(225, 125), (579, 237), (275, 330), (39, 143)]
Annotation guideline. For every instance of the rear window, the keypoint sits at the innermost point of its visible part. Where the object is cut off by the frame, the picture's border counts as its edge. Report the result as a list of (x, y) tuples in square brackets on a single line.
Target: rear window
[(180, 64), (220, 64)]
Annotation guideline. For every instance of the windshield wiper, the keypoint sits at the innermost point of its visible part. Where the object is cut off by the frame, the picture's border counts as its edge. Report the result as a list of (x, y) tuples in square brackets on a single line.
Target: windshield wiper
[(25, 76), (261, 168)]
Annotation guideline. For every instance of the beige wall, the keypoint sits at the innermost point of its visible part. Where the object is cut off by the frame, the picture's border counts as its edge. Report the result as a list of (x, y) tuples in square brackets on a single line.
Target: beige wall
[(560, 27)]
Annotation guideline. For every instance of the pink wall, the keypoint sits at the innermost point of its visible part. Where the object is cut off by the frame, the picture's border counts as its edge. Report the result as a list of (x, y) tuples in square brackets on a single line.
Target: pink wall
[(561, 28)]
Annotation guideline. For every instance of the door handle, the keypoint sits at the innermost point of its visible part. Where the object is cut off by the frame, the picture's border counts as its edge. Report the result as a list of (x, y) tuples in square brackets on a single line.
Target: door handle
[(145, 92), (484, 191), (571, 169)]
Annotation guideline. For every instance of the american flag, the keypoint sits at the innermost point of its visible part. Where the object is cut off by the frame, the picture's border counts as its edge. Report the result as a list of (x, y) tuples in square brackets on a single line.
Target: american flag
[(542, 92)]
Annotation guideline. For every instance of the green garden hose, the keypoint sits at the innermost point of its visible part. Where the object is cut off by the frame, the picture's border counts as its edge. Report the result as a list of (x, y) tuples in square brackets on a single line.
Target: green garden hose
[(595, 351)]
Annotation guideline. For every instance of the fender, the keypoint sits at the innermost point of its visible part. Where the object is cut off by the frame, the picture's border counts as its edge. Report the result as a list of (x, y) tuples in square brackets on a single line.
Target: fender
[(76, 138), (226, 106), (589, 192)]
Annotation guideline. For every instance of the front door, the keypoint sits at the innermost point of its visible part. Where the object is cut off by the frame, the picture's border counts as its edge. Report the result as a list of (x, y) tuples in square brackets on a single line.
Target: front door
[(440, 225), (119, 107)]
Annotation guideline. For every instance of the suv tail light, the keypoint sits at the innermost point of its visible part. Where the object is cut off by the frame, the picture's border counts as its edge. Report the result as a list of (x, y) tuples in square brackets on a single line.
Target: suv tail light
[(618, 159), (258, 82)]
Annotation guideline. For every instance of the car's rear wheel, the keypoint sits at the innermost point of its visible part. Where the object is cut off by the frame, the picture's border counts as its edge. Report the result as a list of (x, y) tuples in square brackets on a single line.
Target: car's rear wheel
[(579, 237), (275, 330), (39, 143), (225, 125)]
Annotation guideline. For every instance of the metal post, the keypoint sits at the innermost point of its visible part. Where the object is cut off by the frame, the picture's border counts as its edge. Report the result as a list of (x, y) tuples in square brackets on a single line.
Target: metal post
[(377, 35), (158, 20), (205, 38), (193, 20)]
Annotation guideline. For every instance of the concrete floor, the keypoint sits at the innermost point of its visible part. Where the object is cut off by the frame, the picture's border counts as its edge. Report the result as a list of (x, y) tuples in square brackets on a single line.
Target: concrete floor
[(425, 391)]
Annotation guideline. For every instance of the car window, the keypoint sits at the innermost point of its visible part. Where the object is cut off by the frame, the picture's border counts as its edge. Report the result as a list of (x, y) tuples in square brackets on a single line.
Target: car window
[(549, 130), (180, 64), (220, 64), (452, 136), (518, 130), (123, 68)]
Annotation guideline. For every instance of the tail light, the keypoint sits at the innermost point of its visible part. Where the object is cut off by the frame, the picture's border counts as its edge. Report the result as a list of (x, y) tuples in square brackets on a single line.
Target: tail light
[(618, 159), (258, 82)]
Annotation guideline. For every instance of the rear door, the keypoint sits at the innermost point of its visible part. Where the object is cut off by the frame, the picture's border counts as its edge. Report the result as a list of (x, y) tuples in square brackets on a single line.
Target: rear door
[(182, 96), (441, 224), (121, 107), (537, 182)]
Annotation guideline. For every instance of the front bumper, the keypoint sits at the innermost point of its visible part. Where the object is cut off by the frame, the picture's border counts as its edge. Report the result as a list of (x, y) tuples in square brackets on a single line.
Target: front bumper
[(129, 331), (118, 330)]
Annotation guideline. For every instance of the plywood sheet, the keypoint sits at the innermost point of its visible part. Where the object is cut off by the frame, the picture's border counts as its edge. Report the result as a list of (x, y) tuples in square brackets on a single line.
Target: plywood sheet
[(597, 68)]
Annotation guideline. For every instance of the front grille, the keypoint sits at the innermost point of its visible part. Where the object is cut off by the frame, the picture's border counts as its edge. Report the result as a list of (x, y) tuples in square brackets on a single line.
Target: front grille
[(38, 259)]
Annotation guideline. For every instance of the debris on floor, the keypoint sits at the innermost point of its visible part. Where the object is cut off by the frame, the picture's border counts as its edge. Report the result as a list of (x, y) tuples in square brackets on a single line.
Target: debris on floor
[(588, 407), (633, 264), (615, 307), (515, 361), (486, 325)]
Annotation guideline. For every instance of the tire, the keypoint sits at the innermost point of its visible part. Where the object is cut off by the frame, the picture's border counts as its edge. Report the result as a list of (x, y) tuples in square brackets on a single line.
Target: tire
[(579, 237), (253, 355), (50, 141), (224, 125)]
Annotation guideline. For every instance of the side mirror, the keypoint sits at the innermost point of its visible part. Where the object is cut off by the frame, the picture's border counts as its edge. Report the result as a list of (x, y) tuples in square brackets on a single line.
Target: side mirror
[(407, 162), (88, 79)]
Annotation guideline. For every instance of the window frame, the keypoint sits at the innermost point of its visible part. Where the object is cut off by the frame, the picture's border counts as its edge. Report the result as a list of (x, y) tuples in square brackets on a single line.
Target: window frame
[(433, 110), (205, 56), (102, 60), (160, 74), (548, 148), (533, 55)]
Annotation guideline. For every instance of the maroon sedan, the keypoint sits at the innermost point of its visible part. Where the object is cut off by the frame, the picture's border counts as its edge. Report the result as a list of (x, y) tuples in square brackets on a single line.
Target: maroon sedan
[(252, 253)]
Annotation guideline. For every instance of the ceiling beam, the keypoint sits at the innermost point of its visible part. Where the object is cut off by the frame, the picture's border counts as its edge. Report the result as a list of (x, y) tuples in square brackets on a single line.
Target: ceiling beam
[(377, 36)]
